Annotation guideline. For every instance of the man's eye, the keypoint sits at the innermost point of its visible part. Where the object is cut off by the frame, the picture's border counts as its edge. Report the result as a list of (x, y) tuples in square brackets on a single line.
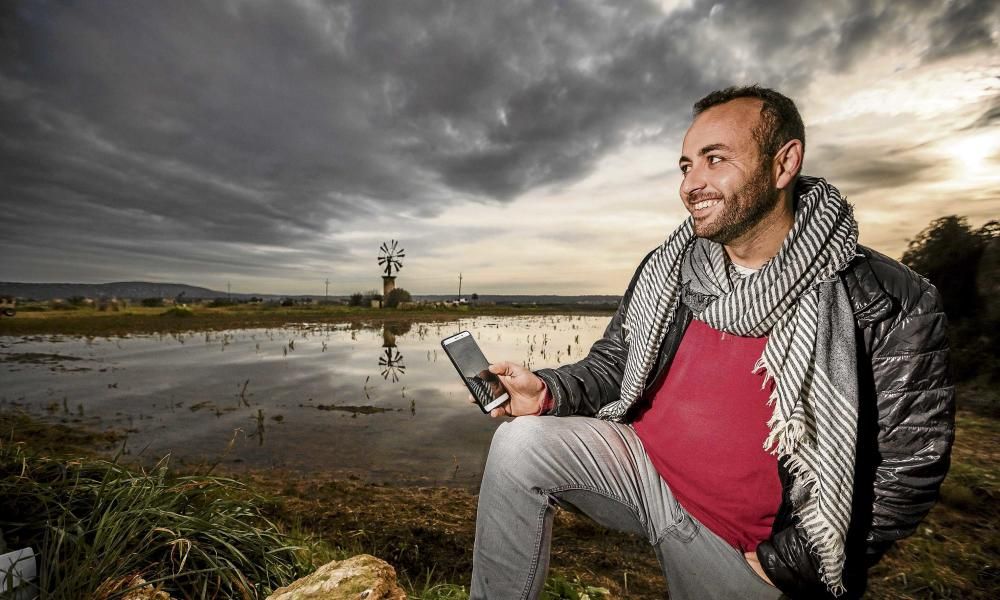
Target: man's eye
[(685, 169), (714, 159)]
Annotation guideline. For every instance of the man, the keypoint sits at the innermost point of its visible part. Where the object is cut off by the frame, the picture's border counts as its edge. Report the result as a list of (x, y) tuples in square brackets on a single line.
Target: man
[(773, 403)]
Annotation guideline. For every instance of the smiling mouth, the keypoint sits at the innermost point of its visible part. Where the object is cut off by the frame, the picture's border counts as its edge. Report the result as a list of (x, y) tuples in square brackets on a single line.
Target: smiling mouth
[(706, 204)]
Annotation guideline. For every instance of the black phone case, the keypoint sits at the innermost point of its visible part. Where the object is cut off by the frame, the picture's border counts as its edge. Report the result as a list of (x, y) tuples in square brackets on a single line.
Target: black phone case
[(482, 395)]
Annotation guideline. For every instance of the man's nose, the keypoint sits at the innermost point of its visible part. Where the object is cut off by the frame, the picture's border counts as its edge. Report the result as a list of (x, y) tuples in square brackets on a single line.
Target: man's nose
[(693, 181)]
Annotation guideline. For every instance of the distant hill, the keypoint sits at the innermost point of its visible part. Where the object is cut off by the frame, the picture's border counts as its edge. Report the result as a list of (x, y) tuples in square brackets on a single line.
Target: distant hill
[(137, 290), (132, 290)]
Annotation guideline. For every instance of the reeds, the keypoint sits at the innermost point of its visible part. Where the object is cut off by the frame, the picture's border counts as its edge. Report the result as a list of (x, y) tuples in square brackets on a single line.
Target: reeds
[(92, 521)]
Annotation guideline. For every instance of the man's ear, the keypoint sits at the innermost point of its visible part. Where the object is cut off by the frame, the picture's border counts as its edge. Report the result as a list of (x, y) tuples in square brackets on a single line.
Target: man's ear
[(787, 163)]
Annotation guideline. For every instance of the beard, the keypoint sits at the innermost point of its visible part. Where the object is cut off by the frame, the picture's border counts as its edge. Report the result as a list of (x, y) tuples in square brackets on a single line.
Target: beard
[(742, 210)]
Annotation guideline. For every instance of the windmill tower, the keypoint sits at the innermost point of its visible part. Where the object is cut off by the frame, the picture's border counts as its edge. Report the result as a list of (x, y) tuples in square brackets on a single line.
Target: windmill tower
[(388, 257)]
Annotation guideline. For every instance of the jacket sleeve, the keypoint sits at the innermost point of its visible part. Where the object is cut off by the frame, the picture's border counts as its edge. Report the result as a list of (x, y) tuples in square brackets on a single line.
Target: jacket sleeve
[(916, 405), (583, 387), (916, 428)]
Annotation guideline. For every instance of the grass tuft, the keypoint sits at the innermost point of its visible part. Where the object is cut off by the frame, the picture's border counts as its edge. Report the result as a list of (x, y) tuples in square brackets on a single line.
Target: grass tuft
[(94, 521), (178, 311)]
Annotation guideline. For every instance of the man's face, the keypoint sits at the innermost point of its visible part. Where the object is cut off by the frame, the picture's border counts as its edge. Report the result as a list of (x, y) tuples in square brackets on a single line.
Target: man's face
[(727, 185)]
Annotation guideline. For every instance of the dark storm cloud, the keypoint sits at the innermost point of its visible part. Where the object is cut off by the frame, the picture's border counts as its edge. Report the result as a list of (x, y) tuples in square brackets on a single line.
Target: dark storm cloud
[(868, 167), (964, 26), (151, 133)]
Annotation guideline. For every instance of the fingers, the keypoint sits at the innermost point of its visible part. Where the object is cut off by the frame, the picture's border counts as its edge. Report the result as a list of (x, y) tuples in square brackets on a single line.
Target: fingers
[(502, 368), (501, 411)]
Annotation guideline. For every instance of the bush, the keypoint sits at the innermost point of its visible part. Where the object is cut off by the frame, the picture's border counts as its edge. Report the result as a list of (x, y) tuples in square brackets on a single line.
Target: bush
[(947, 252), (93, 521), (950, 254), (152, 302), (178, 311), (357, 299), (396, 296)]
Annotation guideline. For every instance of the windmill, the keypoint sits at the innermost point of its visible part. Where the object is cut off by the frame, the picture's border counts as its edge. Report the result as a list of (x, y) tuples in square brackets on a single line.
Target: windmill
[(388, 258)]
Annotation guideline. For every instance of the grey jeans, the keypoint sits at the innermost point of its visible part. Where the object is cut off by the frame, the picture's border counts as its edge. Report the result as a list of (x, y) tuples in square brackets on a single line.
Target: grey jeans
[(600, 469)]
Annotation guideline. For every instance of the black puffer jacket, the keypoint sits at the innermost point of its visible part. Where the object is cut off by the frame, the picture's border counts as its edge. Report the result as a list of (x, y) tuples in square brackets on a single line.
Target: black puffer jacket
[(906, 416)]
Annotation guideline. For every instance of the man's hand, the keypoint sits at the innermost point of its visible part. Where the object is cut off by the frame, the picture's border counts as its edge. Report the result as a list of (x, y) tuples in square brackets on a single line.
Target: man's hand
[(755, 565), (527, 391)]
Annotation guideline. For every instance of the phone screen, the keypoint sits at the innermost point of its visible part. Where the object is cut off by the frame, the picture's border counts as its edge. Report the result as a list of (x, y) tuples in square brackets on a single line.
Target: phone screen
[(472, 365)]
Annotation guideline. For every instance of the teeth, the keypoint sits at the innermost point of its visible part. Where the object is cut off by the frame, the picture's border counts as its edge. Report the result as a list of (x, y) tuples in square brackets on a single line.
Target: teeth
[(706, 204)]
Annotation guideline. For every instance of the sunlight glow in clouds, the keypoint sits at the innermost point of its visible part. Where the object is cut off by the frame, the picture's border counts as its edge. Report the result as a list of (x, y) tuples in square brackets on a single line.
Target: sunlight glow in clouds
[(976, 154)]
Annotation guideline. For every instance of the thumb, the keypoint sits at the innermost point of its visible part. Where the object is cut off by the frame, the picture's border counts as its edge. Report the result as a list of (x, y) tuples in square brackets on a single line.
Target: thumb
[(502, 368)]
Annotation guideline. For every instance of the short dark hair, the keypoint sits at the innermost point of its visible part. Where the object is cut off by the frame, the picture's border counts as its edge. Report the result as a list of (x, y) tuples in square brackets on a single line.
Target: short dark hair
[(780, 120)]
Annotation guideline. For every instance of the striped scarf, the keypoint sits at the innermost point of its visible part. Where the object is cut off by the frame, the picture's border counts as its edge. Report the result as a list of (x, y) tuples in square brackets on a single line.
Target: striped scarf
[(796, 300)]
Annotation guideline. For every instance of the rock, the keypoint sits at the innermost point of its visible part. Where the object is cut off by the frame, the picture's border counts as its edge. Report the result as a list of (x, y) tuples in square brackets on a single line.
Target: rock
[(361, 577)]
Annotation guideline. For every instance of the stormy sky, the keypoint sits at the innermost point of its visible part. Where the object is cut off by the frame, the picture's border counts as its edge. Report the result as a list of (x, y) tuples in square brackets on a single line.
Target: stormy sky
[(530, 146)]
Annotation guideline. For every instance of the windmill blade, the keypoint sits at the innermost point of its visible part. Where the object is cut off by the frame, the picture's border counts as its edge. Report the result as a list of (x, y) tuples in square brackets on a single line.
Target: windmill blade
[(401, 254), (394, 242), (383, 247)]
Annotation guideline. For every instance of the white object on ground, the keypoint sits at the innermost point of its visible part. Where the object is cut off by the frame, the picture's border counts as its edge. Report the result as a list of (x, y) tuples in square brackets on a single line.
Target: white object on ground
[(16, 568)]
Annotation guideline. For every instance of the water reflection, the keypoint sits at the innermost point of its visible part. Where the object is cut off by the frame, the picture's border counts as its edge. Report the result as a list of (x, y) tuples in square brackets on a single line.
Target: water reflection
[(333, 397), (391, 361)]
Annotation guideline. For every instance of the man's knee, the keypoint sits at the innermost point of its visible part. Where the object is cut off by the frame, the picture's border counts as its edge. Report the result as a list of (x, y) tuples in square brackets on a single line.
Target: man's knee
[(523, 448), (515, 438)]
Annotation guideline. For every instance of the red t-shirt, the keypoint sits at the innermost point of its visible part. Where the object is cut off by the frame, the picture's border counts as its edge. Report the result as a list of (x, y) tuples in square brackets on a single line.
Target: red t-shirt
[(704, 431)]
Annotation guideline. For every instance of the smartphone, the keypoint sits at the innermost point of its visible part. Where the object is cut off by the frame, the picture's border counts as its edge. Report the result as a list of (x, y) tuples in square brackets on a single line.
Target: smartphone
[(472, 365)]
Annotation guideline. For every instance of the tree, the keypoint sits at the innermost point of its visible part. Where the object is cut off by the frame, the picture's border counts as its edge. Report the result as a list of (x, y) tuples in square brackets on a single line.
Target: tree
[(959, 262), (396, 296), (357, 299), (947, 253)]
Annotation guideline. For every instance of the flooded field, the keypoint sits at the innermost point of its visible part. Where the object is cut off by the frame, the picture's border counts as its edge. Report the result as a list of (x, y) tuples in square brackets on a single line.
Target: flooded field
[(380, 402)]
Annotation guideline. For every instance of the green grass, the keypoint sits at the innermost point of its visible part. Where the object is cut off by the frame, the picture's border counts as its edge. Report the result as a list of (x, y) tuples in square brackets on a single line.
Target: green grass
[(95, 521), (88, 321)]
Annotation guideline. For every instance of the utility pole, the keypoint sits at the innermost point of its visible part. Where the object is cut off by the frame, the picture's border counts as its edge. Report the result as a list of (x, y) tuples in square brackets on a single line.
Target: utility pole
[(459, 286), (327, 288), (229, 290)]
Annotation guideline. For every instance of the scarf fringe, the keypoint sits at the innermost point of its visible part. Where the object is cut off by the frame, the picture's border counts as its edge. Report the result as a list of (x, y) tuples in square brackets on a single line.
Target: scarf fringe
[(822, 538)]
